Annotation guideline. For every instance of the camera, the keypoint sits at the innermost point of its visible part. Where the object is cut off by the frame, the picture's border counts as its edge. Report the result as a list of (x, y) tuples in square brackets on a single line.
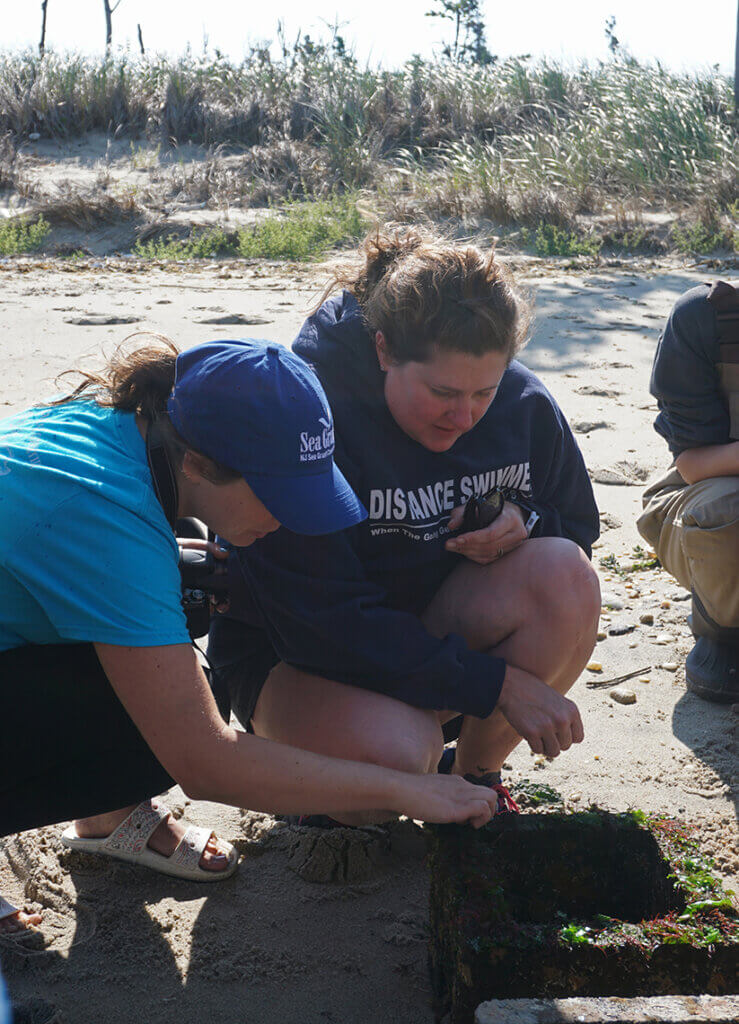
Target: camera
[(480, 512), (204, 578)]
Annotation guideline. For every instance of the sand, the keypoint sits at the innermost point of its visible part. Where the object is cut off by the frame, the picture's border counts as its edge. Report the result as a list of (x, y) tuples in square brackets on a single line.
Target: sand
[(332, 928)]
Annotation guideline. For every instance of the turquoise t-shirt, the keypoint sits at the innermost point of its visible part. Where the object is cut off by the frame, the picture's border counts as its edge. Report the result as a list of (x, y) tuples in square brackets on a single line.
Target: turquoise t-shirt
[(86, 553), (5, 1017)]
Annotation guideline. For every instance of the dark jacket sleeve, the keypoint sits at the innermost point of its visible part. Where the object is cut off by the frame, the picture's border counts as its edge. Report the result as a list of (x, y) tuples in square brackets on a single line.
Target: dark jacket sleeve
[(325, 617), (685, 378), (562, 492)]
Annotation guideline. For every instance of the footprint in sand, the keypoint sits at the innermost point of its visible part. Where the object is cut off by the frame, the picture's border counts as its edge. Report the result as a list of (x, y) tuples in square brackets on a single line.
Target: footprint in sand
[(234, 318), (100, 320), (597, 390), (586, 426), (338, 854), (620, 474)]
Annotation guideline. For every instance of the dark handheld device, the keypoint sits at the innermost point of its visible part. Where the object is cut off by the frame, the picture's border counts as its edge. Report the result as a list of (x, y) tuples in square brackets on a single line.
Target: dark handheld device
[(481, 512), (204, 579)]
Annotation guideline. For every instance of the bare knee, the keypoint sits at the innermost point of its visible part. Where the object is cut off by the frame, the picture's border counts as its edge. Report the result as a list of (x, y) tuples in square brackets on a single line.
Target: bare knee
[(565, 581), (414, 747)]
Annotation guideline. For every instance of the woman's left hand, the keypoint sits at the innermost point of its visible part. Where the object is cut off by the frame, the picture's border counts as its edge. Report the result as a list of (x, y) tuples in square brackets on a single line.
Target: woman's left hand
[(488, 545)]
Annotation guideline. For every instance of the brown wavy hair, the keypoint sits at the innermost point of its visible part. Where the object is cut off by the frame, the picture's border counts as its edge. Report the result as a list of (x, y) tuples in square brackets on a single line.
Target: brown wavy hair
[(422, 290), (140, 381)]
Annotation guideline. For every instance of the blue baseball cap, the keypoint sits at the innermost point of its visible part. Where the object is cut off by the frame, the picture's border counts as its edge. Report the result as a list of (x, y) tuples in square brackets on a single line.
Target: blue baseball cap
[(257, 408)]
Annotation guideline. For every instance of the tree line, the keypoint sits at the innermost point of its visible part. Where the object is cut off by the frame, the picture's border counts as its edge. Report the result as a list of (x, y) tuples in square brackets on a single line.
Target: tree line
[(468, 43)]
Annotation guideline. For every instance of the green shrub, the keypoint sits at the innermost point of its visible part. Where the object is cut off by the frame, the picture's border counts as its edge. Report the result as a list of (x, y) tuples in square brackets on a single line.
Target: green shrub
[(549, 240), (702, 239), (294, 231), (301, 231), (201, 245), (18, 234)]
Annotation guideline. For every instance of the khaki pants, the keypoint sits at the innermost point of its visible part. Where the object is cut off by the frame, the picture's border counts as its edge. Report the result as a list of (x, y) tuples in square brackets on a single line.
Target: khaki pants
[(694, 530)]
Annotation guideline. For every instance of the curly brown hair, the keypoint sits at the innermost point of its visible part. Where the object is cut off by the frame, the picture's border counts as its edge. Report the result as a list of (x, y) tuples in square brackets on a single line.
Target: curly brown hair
[(422, 290)]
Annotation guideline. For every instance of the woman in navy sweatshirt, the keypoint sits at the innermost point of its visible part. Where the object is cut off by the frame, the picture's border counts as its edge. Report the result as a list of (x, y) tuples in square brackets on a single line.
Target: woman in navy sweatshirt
[(365, 644)]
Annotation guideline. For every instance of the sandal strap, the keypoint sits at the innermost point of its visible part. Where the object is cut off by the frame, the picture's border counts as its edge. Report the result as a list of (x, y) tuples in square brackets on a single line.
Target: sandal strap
[(506, 803), (190, 848), (133, 833)]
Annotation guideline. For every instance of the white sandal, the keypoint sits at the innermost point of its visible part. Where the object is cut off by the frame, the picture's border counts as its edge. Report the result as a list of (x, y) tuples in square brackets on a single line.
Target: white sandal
[(128, 842)]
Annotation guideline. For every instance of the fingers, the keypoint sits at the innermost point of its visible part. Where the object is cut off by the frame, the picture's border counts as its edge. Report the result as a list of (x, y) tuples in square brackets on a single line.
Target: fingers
[(482, 806), (494, 541), (561, 734), (536, 743), (455, 519), (578, 730), (475, 805), (482, 815), (550, 745), (481, 545), (198, 544)]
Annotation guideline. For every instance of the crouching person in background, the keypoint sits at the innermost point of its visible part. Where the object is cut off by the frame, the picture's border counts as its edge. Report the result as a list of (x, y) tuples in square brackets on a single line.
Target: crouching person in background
[(691, 514)]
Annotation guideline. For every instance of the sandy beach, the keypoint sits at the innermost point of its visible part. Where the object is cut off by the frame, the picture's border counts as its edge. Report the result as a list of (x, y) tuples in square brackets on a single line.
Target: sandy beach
[(318, 928)]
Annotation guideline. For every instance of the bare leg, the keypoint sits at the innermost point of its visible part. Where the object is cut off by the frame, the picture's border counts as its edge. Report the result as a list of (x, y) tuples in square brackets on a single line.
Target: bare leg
[(538, 608), (332, 718)]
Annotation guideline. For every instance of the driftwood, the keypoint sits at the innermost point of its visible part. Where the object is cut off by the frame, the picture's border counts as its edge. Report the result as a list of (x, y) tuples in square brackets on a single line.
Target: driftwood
[(594, 684)]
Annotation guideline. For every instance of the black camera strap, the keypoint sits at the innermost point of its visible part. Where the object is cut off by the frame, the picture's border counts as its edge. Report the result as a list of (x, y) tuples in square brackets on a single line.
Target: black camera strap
[(162, 472), (165, 488)]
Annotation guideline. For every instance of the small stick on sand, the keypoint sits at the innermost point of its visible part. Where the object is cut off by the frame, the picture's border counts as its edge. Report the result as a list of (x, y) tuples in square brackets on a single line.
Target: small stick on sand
[(594, 684)]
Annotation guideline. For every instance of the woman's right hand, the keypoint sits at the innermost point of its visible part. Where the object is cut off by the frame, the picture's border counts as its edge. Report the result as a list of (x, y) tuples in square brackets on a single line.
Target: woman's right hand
[(444, 799), (548, 721)]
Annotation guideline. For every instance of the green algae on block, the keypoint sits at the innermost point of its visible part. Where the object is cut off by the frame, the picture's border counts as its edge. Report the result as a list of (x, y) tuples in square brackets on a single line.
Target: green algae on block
[(558, 905)]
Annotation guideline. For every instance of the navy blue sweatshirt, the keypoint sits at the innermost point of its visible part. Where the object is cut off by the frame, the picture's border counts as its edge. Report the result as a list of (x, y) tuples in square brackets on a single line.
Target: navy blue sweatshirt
[(685, 376), (346, 606)]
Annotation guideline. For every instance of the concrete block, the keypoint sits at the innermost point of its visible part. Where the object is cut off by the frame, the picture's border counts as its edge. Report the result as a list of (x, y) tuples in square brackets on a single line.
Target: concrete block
[(557, 905), (654, 1010)]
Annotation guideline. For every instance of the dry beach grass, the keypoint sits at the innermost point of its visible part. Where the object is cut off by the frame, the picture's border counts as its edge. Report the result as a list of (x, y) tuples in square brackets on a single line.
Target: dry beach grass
[(560, 160)]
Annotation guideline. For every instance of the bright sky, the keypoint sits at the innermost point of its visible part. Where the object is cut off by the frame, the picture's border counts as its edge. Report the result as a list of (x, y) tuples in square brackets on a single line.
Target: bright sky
[(388, 32)]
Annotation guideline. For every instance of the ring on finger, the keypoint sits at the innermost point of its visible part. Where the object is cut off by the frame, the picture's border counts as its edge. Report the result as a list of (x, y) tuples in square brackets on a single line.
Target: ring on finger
[(500, 552)]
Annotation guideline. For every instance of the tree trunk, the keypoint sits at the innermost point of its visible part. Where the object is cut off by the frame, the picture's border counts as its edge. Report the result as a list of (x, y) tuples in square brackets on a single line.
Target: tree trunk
[(736, 67), (42, 43), (108, 25)]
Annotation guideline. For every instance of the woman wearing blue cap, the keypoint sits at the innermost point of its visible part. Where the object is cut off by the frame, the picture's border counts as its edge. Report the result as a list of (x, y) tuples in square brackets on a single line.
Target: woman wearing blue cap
[(94, 648)]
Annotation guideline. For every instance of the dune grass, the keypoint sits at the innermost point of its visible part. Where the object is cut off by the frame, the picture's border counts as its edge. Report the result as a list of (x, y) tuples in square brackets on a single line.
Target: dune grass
[(521, 142)]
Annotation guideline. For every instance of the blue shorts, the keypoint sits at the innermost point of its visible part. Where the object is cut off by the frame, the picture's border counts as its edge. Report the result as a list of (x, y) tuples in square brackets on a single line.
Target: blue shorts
[(242, 657)]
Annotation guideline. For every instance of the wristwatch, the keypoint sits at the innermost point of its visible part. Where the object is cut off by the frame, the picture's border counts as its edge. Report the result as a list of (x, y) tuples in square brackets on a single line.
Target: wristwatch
[(531, 522)]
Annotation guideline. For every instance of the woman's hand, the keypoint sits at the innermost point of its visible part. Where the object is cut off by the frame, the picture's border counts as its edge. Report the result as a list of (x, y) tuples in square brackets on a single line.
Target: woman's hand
[(488, 545), (549, 722), (443, 799)]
